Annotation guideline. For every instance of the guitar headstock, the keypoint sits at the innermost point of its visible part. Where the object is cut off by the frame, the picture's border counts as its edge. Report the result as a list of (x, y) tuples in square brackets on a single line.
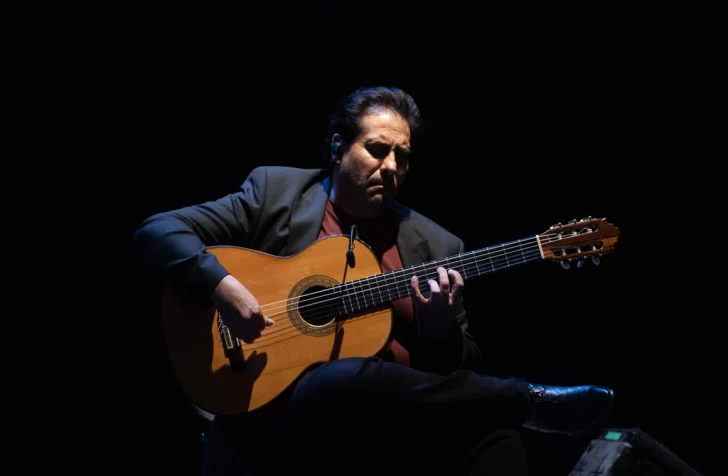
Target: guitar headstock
[(579, 240)]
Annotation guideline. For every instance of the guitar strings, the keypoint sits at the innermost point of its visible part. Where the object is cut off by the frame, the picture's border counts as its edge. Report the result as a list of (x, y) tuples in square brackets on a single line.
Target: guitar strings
[(390, 279), (357, 286), (477, 254), (290, 331), (326, 312), (406, 285), (464, 258), (469, 264)]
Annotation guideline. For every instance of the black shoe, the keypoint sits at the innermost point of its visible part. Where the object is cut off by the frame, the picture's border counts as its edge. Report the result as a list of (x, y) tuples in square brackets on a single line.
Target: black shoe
[(573, 411)]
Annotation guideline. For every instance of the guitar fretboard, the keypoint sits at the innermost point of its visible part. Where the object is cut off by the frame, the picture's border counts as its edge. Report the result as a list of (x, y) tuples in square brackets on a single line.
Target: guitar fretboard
[(381, 290)]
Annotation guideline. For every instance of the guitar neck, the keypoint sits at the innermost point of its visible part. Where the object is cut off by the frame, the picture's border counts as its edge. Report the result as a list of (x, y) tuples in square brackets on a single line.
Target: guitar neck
[(381, 290)]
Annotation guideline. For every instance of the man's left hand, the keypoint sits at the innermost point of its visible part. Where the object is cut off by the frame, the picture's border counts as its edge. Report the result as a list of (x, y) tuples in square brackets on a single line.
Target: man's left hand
[(437, 313)]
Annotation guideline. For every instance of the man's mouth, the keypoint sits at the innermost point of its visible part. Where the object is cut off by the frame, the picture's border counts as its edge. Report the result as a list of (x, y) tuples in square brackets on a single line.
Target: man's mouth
[(384, 186)]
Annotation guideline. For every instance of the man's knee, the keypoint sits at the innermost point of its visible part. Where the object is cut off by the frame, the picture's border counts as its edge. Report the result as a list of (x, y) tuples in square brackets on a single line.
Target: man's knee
[(329, 383)]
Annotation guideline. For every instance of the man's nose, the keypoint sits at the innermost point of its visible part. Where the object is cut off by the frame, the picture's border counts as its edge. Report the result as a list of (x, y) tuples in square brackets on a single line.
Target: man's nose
[(389, 165)]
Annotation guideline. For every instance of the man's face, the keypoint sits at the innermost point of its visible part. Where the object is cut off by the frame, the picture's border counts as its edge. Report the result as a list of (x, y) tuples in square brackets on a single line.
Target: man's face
[(371, 171)]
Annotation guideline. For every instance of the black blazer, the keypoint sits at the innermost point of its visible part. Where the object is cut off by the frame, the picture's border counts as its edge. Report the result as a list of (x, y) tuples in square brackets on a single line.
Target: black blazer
[(279, 210)]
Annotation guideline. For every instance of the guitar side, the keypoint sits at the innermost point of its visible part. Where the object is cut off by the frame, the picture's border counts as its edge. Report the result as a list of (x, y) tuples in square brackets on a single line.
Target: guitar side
[(212, 378)]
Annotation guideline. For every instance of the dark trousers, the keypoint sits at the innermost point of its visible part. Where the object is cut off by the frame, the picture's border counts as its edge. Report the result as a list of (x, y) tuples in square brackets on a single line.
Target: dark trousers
[(367, 416)]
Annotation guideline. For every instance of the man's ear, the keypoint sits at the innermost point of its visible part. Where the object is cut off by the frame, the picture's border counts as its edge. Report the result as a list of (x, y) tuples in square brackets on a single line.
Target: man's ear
[(336, 147)]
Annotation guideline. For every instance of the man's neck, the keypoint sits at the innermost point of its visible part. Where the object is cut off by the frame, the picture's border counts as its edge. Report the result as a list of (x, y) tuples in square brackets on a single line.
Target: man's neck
[(342, 207)]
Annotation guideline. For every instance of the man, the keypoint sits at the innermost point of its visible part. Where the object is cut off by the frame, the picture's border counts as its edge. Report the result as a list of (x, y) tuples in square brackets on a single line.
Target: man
[(422, 403)]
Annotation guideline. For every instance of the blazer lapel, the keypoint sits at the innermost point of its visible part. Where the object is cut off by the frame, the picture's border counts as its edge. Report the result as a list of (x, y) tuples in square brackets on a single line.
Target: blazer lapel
[(306, 218), (413, 249)]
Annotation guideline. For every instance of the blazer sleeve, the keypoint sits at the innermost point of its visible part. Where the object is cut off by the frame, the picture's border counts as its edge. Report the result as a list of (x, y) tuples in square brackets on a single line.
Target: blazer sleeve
[(457, 350), (171, 245)]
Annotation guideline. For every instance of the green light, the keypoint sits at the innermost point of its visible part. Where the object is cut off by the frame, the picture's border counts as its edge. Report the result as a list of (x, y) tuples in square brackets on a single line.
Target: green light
[(613, 435)]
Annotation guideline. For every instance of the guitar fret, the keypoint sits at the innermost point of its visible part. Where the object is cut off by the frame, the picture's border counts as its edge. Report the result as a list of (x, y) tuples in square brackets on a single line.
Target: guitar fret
[(386, 286), (378, 287), (521, 247), (381, 286), (347, 293), (426, 275), (462, 266), (343, 300), (369, 293), (407, 280), (351, 287), (356, 295), (374, 289), (399, 295), (365, 291)]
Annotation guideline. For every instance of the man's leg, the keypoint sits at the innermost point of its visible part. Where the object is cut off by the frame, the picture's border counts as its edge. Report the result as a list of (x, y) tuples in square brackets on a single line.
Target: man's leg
[(367, 416), (389, 418), (366, 386), (346, 408)]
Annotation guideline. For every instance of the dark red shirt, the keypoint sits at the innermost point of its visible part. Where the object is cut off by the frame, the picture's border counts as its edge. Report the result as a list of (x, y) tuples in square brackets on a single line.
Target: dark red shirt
[(381, 236)]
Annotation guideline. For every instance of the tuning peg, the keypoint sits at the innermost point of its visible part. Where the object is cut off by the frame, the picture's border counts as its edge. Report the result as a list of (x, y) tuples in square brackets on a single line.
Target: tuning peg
[(565, 264), (596, 260), (580, 263), (572, 221), (556, 225)]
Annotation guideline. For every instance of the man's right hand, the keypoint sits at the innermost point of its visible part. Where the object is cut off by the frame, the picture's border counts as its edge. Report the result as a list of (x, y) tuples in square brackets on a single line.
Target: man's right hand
[(239, 309)]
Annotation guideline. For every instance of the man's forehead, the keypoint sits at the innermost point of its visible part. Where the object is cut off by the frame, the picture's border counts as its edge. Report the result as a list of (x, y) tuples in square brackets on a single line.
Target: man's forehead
[(385, 127)]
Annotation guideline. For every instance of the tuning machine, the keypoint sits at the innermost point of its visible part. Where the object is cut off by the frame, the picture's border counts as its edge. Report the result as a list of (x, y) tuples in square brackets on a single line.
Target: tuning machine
[(566, 264)]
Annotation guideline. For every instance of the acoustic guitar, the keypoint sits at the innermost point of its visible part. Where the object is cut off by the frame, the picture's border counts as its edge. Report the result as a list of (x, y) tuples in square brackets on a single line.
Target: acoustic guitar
[(327, 309)]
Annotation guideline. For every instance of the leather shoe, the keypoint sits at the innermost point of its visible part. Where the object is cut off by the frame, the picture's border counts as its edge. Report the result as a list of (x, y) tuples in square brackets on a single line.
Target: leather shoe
[(573, 411)]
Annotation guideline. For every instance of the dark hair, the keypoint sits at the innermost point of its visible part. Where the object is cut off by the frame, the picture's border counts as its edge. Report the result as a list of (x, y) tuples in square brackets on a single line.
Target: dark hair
[(346, 120)]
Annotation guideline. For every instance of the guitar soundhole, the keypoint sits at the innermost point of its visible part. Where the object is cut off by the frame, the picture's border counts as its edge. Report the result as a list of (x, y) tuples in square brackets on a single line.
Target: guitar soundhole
[(314, 308), (313, 304)]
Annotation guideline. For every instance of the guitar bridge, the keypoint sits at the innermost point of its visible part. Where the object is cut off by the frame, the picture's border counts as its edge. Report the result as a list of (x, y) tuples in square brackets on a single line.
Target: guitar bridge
[(231, 345)]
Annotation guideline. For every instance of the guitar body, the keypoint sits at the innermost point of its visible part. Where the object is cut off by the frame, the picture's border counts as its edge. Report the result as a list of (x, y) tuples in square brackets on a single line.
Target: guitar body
[(224, 381)]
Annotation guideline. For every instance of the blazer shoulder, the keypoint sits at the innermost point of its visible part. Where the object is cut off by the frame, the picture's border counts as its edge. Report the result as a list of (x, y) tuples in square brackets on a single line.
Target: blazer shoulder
[(279, 173), (428, 228)]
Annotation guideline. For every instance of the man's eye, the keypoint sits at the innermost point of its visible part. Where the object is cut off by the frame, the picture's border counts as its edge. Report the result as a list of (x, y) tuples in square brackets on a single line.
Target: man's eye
[(402, 156), (378, 151)]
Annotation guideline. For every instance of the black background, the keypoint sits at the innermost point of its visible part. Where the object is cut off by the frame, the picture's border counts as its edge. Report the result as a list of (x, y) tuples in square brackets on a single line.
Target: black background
[(526, 125)]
